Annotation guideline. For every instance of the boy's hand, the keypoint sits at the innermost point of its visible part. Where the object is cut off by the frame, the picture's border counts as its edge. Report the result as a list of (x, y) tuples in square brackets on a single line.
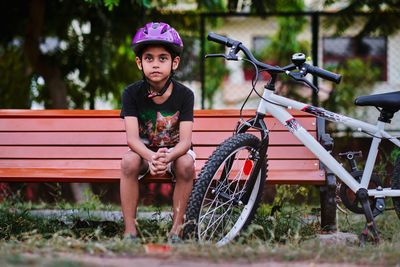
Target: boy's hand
[(159, 162)]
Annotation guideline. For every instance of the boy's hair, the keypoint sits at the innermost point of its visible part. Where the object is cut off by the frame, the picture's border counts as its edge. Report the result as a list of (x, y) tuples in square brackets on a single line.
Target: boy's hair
[(139, 53), (157, 33)]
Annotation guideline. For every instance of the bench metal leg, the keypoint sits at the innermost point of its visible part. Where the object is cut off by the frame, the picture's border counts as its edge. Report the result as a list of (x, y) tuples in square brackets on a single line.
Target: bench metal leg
[(328, 191), (328, 203)]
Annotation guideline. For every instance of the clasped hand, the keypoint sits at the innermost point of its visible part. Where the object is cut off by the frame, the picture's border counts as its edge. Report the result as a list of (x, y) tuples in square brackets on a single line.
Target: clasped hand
[(158, 165)]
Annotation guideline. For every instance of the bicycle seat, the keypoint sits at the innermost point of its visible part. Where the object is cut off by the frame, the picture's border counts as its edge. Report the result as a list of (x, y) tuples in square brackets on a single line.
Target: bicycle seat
[(387, 101)]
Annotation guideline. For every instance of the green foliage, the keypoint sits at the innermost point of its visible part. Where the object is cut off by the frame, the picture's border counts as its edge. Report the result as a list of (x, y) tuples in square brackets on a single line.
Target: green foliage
[(91, 201), (290, 224), (383, 17), (358, 79), (287, 194), (88, 44), (15, 79), (285, 42), (215, 72), (289, 235), (110, 4), (394, 155)]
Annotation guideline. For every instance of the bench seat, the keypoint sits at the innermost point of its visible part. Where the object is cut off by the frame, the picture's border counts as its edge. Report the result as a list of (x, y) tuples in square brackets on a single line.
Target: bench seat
[(87, 146)]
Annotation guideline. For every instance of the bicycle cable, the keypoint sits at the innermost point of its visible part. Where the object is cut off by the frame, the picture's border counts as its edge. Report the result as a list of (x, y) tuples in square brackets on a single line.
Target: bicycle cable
[(253, 89), (380, 137), (253, 82)]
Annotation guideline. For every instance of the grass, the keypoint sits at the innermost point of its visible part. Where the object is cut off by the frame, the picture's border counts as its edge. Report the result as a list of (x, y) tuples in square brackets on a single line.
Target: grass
[(289, 235)]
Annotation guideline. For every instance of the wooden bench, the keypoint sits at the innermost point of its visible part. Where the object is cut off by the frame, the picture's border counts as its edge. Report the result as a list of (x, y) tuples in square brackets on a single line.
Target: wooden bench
[(87, 146)]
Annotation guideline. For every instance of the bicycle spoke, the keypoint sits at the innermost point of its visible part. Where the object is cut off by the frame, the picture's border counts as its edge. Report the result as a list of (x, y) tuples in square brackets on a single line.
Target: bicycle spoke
[(220, 208), (221, 217)]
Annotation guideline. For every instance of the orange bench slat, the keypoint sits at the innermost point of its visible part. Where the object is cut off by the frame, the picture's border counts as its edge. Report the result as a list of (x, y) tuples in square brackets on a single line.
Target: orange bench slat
[(117, 125), (119, 138), (116, 152), (100, 175), (114, 164)]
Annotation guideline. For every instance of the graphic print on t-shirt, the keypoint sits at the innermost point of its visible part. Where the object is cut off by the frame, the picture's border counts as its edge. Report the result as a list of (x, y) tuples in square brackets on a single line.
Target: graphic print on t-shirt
[(160, 130)]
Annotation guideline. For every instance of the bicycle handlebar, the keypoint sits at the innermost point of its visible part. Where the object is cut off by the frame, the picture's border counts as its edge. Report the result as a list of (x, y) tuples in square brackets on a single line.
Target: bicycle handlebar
[(220, 39), (236, 46), (324, 74)]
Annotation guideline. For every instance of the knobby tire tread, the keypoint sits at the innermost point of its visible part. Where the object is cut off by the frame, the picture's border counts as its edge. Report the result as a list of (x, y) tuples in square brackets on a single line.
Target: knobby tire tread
[(396, 185), (207, 173)]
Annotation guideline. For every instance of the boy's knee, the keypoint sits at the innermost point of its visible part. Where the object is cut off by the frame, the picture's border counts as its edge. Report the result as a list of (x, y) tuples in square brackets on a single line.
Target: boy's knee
[(130, 163), (184, 167)]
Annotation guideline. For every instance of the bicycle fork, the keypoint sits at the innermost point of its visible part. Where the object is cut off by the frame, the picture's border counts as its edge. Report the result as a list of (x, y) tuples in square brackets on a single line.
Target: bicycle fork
[(259, 155)]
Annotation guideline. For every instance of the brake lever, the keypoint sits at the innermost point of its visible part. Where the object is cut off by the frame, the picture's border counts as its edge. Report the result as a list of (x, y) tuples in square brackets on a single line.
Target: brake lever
[(299, 76), (227, 57)]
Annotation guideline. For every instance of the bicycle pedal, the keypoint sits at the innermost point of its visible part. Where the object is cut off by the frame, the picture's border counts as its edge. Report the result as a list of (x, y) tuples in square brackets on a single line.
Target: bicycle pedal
[(379, 207)]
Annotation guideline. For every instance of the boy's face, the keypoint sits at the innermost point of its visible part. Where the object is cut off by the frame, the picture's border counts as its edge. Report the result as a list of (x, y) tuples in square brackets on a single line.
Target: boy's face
[(156, 63)]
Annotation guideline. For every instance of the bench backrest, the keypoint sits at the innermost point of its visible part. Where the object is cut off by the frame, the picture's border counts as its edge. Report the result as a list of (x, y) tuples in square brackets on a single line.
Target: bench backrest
[(87, 145)]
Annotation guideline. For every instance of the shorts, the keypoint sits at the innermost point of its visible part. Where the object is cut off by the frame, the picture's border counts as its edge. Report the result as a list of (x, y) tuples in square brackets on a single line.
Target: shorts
[(169, 166)]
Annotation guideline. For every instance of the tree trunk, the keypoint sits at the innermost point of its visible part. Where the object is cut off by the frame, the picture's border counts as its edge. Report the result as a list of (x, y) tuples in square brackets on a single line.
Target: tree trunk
[(50, 72)]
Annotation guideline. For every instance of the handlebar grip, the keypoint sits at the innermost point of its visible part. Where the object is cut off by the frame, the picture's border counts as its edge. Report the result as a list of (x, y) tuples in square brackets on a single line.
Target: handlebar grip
[(324, 74), (219, 39)]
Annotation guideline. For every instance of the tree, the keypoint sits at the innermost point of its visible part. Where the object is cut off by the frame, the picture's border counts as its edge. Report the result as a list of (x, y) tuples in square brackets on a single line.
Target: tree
[(81, 48), (383, 16), (216, 71), (76, 64), (285, 43), (358, 76), (15, 80)]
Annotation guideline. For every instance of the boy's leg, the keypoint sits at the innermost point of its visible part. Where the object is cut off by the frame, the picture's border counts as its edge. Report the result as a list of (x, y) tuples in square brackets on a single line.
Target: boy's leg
[(131, 165), (184, 172)]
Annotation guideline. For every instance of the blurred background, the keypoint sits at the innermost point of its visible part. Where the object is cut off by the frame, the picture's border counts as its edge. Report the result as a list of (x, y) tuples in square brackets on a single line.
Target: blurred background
[(76, 54)]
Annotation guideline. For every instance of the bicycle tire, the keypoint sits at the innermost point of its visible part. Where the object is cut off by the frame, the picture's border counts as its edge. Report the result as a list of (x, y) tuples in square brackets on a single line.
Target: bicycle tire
[(396, 185), (214, 212)]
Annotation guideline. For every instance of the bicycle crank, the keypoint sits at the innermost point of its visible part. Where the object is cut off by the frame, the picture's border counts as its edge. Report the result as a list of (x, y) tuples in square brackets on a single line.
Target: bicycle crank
[(362, 195), (350, 199)]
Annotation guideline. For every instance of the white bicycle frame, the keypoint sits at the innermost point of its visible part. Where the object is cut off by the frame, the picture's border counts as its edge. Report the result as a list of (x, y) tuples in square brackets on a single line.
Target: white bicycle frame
[(281, 114)]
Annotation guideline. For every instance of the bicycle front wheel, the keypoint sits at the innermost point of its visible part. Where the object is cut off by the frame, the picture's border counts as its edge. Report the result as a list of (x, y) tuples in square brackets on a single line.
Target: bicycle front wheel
[(223, 202), (396, 185)]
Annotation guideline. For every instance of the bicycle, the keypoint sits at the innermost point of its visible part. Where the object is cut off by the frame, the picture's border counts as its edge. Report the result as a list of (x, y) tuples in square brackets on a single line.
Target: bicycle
[(227, 192)]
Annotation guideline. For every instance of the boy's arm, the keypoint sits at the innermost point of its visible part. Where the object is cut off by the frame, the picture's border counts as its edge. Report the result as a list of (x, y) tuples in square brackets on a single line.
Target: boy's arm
[(185, 141), (134, 142)]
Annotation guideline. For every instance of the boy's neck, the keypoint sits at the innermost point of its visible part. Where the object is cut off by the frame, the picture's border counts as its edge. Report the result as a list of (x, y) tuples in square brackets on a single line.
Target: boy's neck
[(156, 87), (161, 99)]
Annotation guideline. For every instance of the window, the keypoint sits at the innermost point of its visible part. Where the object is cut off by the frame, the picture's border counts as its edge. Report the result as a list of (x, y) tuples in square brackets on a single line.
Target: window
[(258, 44), (338, 50)]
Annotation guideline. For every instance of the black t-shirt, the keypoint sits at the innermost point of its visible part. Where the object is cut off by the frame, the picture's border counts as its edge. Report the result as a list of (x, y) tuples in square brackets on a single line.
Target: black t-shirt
[(158, 123)]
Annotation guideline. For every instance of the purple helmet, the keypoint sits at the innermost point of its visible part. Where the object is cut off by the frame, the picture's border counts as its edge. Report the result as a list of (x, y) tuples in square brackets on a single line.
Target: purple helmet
[(159, 34)]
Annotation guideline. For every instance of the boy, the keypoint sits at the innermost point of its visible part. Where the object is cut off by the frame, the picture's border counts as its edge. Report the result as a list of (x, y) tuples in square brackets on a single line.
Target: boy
[(158, 115)]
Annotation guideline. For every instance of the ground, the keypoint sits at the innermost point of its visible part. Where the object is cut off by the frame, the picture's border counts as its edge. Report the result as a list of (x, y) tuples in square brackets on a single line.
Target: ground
[(154, 261)]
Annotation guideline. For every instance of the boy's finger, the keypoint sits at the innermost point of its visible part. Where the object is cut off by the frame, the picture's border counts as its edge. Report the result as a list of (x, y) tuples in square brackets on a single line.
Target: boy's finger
[(163, 150)]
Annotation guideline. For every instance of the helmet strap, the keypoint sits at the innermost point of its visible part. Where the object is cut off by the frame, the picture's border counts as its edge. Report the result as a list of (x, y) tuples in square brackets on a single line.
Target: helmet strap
[(151, 94)]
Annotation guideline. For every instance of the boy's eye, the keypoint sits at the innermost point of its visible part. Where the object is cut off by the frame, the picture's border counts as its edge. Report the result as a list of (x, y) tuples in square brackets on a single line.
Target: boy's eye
[(148, 58), (163, 58)]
